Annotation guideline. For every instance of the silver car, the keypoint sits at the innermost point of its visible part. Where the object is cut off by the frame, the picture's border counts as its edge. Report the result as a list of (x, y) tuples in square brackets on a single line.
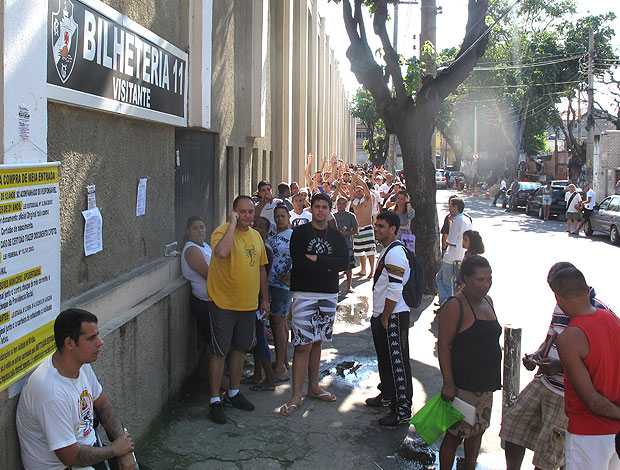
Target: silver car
[(440, 179), (606, 219)]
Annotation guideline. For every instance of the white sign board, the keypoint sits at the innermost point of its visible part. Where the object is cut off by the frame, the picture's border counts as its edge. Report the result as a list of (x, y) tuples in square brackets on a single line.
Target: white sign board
[(29, 267)]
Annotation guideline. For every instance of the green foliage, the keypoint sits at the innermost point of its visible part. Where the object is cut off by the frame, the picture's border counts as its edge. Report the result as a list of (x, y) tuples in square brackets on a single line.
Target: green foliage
[(535, 58), (363, 108)]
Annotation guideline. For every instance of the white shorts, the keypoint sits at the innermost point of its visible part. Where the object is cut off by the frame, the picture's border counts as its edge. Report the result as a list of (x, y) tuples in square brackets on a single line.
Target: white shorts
[(591, 452)]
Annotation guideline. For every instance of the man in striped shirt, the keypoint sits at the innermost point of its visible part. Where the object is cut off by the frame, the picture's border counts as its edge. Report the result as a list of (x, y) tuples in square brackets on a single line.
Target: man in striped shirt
[(537, 420)]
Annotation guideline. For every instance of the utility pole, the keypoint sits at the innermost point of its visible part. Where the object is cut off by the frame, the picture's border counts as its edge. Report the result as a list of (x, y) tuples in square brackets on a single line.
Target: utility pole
[(392, 149), (590, 127), (428, 32)]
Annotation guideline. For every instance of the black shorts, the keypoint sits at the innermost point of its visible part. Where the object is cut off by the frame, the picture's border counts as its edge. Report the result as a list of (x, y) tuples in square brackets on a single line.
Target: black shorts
[(200, 311), (587, 213), (231, 329)]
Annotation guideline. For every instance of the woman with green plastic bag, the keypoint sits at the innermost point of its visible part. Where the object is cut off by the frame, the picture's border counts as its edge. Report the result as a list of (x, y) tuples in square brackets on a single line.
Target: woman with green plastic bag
[(470, 358)]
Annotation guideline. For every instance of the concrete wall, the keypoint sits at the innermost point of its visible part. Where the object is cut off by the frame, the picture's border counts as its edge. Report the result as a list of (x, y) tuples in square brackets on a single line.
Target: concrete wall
[(111, 152)]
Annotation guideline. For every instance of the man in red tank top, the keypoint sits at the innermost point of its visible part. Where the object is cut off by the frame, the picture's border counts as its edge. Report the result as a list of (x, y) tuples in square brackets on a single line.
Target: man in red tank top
[(590, 353)]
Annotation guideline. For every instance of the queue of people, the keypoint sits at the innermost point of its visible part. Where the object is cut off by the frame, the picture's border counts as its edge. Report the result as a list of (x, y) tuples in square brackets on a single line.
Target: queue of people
[(276, 262)]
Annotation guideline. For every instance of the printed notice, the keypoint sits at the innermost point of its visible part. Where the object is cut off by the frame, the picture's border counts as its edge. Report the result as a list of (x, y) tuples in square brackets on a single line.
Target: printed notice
[(141, 198), (29, 267), (93, 230)]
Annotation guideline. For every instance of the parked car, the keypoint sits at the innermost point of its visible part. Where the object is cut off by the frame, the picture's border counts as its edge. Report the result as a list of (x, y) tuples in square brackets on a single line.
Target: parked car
[(457, 176), (441, 181), (558, 204), (526, 188), (606, 219)]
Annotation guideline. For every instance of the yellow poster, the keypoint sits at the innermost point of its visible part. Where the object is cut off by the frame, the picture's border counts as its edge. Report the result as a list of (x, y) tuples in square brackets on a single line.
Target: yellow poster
[(29, 267)]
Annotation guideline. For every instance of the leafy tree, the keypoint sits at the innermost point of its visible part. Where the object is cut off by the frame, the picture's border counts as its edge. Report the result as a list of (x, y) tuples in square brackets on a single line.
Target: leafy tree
[(411, 112), (378, 142)]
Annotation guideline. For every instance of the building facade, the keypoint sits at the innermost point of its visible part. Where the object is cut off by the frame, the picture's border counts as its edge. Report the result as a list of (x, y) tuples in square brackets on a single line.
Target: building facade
[(151, 111)]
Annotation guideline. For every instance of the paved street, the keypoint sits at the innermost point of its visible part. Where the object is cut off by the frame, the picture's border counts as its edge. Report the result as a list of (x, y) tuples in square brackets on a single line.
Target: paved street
[(345, 434)]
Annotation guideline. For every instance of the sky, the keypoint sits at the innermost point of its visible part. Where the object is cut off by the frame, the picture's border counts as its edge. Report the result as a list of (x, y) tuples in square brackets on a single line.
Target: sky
[(450, 28)]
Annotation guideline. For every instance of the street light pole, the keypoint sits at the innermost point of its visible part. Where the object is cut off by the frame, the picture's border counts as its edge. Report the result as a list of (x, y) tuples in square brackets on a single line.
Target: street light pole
[(590, 126), (392, 150)]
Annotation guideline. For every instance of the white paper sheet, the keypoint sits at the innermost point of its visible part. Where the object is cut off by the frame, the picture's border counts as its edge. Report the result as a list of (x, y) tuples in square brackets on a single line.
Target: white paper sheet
[(469, 411), (93, 225), (141, 198)]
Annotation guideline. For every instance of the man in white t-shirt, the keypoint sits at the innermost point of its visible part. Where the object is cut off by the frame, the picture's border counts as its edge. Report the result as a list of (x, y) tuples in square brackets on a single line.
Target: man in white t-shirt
[(455, 250), (56, 408), (573, 204), (587, 206), (267, 203)]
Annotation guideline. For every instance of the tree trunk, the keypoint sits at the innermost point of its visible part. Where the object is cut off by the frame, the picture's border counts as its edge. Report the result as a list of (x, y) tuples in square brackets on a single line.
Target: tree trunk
[(414, 134)]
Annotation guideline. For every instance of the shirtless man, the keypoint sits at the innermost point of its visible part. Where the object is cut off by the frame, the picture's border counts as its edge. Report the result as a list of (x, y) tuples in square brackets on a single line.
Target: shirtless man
[(364, 240)]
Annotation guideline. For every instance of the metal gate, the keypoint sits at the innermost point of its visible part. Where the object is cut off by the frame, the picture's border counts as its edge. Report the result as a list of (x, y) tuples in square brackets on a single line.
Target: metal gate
[(195, 153)]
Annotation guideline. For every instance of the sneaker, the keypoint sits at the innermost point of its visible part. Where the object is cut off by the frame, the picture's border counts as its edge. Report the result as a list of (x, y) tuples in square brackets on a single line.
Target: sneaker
[(238, 401), (394, 419), (216, 412), (378, 401)]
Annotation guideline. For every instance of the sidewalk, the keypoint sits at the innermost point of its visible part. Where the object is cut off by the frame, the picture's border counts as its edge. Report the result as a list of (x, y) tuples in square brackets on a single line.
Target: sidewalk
[(344, 434)]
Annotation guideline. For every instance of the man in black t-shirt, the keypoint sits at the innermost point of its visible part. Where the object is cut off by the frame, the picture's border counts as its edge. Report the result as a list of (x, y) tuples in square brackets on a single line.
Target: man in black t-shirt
[(319, 253)]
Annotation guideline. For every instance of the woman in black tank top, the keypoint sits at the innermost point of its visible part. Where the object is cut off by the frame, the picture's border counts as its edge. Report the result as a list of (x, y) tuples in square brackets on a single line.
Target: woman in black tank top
[(469, 358)]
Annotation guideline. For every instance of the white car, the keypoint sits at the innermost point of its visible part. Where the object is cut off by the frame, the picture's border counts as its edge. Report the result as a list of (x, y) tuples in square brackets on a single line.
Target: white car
[(440, 179)]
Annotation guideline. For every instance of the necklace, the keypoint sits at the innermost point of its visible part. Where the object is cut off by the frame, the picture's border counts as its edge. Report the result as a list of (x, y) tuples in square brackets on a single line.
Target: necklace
[(322, 240)]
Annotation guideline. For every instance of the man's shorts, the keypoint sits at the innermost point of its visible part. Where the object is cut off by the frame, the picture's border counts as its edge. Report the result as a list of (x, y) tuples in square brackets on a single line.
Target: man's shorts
[(279, 301), (591, 452), (537, 422), (572, 216), (483, 402), (313, 319), (231, 329), (587, 213), (364, 241)]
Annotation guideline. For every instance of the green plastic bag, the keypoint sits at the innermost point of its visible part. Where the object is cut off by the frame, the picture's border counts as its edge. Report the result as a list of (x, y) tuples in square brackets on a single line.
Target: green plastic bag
[(434, 418)]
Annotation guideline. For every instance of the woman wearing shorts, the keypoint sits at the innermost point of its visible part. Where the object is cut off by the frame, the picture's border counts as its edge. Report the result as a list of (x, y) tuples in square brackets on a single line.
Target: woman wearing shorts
[(470, 358), (546, 200)]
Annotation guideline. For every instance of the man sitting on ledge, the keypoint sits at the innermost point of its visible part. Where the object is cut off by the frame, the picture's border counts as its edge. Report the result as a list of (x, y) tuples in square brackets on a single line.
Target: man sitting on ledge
[(56, 408)]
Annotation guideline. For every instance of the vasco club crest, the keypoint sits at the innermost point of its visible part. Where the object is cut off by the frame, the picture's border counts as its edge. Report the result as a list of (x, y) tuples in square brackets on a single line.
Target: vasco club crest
[(64, 39)]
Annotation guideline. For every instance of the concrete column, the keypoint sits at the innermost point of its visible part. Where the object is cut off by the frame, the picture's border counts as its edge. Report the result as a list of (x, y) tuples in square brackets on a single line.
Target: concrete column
[(23, 70), (245, 169), (200, 40), (313, 44), (258, 68), (300, 85), (320, 150)]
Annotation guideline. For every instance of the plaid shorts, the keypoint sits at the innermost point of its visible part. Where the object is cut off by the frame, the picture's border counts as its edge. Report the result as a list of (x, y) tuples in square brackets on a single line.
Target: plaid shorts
[(537, 422), (483, 402)]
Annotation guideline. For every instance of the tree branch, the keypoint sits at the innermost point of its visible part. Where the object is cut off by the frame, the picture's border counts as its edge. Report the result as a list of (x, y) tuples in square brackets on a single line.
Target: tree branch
[(391, 56), (363, 64)]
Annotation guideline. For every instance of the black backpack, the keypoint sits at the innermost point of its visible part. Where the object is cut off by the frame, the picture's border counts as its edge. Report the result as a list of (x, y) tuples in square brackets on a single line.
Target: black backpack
[(414, 287)]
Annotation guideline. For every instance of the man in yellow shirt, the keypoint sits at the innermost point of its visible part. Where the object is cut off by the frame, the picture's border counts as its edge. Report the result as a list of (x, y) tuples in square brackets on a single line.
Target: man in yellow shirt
[(236, 276)]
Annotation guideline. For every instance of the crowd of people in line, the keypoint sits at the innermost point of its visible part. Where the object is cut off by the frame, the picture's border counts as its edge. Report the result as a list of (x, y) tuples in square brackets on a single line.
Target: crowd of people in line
[(278, 259)]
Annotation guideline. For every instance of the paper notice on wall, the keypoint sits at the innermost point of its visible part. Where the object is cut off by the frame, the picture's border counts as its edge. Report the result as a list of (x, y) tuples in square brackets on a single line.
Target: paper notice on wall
[(93, 231), (29, 267), (141, 198), (91, 197)]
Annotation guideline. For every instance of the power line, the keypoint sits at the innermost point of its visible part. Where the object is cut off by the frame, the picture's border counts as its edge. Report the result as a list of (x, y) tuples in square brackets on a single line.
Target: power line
[(523, 66), (522, 86)]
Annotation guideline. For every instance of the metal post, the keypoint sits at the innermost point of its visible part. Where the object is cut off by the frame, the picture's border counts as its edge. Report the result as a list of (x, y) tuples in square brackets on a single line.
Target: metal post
[(392, 148), (512, 365), (590, 126)]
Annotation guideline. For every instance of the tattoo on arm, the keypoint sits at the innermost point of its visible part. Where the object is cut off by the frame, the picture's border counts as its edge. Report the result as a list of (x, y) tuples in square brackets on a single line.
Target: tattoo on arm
[(89, 455), (109, 419)]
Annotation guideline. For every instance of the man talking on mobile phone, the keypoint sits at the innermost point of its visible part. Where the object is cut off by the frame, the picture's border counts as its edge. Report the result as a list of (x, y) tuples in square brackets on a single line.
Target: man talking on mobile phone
[(236, 276)]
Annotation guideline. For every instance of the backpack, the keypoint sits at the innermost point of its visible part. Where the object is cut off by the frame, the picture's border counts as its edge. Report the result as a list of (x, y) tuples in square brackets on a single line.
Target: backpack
[(413, 289)]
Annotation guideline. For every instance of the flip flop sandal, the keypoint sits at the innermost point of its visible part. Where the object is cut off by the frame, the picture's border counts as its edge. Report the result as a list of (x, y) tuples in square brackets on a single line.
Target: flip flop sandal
[(325, 396), (261, 387), (281, 379), (288, 410), (246, 380)]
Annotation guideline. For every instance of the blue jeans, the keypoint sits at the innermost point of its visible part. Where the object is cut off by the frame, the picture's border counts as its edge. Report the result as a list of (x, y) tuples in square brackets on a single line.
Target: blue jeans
[(513, 202), (444, 281)]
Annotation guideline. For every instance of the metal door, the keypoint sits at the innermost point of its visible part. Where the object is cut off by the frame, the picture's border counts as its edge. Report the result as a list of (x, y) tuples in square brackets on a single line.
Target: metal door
[(195, 153)]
